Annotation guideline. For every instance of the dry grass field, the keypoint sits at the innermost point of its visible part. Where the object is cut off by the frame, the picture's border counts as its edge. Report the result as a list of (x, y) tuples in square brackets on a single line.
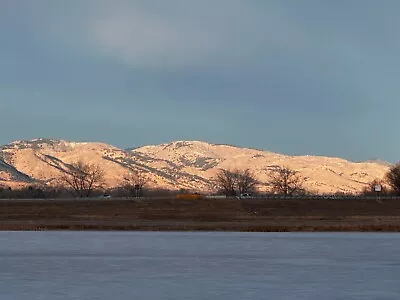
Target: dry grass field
[(201, 215)]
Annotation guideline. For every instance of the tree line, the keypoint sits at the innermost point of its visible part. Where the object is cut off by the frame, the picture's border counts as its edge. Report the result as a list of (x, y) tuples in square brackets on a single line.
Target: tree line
[(283, 180), (86, 180), (82, 179), (286, 181)]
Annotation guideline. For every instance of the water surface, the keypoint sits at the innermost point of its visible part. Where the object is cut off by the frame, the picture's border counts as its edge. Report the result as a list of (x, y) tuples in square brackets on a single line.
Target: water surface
[(150, 265)]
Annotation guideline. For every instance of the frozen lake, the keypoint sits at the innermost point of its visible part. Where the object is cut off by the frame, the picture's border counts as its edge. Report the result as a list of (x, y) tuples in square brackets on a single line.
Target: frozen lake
[(153, 266)]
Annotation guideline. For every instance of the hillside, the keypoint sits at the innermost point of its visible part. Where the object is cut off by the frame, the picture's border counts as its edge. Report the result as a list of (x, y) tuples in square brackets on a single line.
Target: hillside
[(180, 164), (323, 174)]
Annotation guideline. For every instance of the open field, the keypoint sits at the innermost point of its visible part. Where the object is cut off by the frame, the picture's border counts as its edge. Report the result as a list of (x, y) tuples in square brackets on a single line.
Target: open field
[(201, 215)]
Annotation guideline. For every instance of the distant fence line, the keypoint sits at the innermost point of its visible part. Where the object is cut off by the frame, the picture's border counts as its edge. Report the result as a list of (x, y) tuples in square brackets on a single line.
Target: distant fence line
[(314, 197), (219, 197), (216, 197), (328, 197)]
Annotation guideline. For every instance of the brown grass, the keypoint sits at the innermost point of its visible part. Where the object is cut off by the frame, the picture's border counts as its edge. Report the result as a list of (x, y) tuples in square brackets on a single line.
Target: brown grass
[(201, 215)]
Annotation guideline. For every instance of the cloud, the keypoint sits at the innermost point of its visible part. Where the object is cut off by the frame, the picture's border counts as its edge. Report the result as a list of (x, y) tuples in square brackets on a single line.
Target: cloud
[(187, 33), (141, 39), (174, 33)]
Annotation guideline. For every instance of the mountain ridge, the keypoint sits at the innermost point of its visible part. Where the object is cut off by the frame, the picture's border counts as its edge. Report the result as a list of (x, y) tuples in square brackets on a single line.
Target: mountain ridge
[(53, 140), (181, 164)]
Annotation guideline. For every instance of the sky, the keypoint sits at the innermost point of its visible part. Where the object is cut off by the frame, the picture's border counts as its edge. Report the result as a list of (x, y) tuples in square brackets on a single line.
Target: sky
[(310, 77)]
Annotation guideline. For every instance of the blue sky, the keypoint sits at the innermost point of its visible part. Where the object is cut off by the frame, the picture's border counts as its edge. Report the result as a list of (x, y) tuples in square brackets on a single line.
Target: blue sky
[(315, 77)]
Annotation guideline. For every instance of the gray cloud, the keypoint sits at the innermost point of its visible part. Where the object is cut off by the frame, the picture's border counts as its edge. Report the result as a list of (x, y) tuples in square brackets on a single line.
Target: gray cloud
[(189, 33)]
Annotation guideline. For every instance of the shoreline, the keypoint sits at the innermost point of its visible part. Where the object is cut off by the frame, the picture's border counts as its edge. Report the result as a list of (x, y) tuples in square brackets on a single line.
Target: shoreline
[(361, 228)]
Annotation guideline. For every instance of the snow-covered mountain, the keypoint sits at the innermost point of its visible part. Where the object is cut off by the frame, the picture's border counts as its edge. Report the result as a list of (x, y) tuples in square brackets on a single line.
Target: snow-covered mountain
[(179, 164)]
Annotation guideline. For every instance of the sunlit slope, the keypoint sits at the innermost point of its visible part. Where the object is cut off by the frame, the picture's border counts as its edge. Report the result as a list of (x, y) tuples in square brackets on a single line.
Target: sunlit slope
[(176, 165)]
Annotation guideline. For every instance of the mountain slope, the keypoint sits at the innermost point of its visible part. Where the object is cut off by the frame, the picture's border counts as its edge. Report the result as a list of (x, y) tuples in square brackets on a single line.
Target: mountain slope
[(180, 164), (9, 176), (323, 174)]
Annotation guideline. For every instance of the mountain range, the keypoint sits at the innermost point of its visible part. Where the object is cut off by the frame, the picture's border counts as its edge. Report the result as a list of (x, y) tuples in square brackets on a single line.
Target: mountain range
[(180, 164)]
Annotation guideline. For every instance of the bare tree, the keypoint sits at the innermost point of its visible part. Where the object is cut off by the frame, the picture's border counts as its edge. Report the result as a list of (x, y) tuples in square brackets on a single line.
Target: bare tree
[(226, 182), (83, 178), (134, 183), (286, 181), (393, 178), (231, 182), (246, 181)]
